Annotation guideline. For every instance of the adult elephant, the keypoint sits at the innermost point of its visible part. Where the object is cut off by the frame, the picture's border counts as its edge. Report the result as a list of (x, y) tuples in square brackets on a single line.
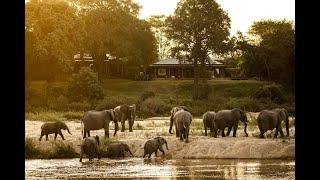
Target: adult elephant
[(125, 112), (118, 149), (95, 120), (230, 119), (207, 119), (271, 119), (182, 120)]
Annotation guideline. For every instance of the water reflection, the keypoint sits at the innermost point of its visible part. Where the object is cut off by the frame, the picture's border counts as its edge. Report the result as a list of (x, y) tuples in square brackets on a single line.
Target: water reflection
[(160, 168)]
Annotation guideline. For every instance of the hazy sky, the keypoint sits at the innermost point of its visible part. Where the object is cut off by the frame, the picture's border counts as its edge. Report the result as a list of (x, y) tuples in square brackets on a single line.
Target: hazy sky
[(241, 12)]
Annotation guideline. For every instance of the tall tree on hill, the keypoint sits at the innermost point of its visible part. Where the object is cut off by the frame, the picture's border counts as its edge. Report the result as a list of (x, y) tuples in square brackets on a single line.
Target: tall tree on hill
[(112, 27), (51, 33), (198, 28)]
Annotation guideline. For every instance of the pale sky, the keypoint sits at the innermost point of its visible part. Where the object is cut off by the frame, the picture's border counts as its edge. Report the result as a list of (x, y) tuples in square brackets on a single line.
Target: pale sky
[(241, 12)]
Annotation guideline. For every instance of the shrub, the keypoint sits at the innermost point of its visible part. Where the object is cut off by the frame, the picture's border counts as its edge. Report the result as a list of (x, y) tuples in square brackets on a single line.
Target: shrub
[(79, 106), (154, 107), (245, 103), (204, 91), (30, 150), (59, 104), (272, 92), (147, 94), (84, 86), (111, 102), (62, 150), (73, 115)]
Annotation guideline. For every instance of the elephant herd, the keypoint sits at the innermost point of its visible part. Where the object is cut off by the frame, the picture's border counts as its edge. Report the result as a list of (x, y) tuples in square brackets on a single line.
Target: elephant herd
[(180, 116)]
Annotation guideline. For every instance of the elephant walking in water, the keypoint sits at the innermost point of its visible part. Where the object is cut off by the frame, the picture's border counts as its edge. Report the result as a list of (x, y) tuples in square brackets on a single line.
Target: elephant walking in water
[(207, 119), (182, 120), (95, 120), (230, 119), (53, 127), (90, 147), (153, 145), (270, 119), (125, 112), (118, 150)]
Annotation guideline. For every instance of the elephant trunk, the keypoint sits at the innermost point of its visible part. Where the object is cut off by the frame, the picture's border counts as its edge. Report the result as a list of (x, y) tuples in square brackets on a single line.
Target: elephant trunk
[(68, 131), (171, 124), (287, 125), (245, 129), (130, 152), (166, 145)]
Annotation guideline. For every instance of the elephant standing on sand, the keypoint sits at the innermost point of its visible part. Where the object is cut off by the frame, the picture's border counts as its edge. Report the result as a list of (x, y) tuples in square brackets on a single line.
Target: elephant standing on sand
[(125, 112), (230, 119), (207, 119), (182, 120), (118, 150), (95, 120), (268, 120), (53, 127), (90, 147), (153, 145)]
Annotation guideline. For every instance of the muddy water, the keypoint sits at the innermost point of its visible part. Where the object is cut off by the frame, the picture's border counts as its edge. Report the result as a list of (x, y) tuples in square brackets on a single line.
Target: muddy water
[(158, 168)]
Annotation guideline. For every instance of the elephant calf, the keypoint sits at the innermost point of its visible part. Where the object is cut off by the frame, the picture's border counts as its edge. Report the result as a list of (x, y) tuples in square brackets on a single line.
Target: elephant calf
[(53, 127), (90, 147), (208, 118), (271, 119), (152, 146), (118, 150)]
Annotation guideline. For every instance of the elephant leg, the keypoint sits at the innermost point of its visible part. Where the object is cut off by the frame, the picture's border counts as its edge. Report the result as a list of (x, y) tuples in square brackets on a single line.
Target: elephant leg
[(235, 130), (84, 134), (222, 133), (47, 138), (281, 132), (81, 153), (88, 133), (130, 125), (205, 131), (41, 136), (149, 156), (144, 155), (106, 130), (276, 133), (55, 136), (162, 152), (122, 125), (229, 130), (156, 153), (177, 133), (60, 133), (180, 135)]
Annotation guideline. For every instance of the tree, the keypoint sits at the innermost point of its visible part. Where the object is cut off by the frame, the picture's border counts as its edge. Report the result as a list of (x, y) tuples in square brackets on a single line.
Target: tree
[(51, 28), (159, 27), (199, 28), (112, 27), (271, 56)]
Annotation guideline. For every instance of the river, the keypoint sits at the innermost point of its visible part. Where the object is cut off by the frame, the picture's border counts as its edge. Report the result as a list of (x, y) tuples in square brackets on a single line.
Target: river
[(159, 168)]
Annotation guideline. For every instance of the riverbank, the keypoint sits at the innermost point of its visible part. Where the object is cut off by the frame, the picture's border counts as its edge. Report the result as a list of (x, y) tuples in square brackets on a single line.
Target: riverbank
[(199, 147)]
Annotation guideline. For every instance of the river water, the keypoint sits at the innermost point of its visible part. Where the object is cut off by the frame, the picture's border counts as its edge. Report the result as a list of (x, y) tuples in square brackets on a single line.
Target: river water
[(159, 168)]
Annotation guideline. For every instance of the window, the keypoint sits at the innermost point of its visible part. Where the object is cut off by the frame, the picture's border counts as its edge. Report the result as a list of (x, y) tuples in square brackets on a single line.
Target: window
[(162, 71)]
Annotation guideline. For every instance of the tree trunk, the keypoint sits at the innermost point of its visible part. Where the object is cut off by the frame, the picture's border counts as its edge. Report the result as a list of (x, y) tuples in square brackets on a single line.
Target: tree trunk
[(196, 80)]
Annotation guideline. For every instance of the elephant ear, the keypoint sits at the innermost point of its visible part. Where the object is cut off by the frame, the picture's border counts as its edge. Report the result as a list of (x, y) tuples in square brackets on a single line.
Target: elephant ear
[(111, 111), (124, 108), (282, 114), (133, 108)]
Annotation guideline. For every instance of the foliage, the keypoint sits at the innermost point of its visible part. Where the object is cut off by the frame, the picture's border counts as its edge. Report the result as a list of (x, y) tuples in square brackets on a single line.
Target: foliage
[(198, 28), (84, 86), (271, 56), (154, 107), (272, 92), (147, 94), (30, 149)]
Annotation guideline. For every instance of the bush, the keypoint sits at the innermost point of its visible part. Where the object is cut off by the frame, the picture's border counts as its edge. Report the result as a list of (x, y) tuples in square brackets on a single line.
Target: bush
[(246, 104), (70, 115), (30, 150), (59, 104), (272, 92), (204, 91), (111, 102), (62, 150), (84, 86), (79, 106), (147, 94), (154, 107)]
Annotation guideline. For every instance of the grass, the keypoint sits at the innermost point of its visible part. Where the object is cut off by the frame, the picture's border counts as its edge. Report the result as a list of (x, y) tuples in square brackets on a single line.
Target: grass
[(54, 116)]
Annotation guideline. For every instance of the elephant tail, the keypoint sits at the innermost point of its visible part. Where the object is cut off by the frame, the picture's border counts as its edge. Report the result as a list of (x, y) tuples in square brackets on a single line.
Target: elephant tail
[(82, 126)]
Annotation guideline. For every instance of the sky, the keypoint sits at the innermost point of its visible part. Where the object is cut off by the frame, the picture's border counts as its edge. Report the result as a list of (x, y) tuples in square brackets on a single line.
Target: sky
[(242, 12)]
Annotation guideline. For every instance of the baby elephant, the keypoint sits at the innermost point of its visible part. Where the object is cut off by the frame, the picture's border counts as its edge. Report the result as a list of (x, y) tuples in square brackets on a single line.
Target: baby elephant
[(90, 147), (208, 118), (152, 146), (118, 150), (53, 127)]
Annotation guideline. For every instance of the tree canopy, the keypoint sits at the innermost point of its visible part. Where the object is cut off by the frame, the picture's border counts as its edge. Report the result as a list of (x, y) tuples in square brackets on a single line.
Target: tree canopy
[(198, 28)]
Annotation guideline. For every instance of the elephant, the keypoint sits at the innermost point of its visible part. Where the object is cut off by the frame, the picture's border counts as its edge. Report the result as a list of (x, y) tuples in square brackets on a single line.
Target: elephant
[(90, 147), (125, 112), (230, 119), (95, 120), (53, 127), (208, 118), (152, 146), (182, 120), (118, 149), (270, 119)]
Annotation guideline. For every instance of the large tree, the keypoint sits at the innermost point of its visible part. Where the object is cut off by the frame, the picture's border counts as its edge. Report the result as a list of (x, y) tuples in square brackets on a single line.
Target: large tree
[(112, 27), (271, 55), (51, 33), (198, 28)]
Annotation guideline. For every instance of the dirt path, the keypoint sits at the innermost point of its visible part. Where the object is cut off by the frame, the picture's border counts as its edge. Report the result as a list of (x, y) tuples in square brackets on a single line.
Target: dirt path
[(199, 146)]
